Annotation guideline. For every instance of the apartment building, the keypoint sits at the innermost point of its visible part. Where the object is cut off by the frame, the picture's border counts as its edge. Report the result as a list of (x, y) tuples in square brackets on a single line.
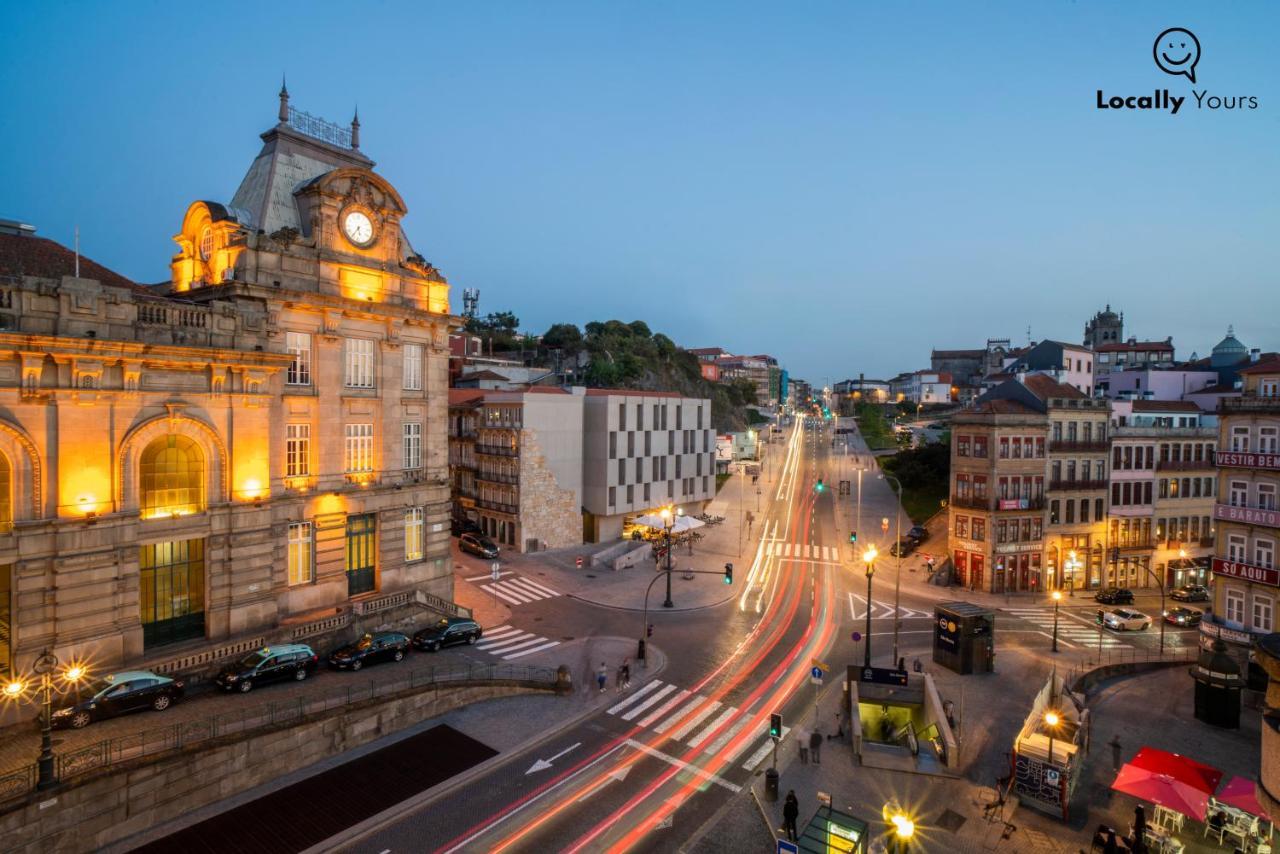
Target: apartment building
[(643, 450), (1247, 512), (1077, 502)]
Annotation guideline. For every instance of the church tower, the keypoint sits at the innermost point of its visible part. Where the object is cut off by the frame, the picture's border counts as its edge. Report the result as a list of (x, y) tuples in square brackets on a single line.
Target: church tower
[(1106, 327)]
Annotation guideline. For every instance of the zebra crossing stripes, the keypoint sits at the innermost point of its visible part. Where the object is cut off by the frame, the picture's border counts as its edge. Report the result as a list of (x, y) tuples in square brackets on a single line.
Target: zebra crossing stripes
[(519, 591), (508, 642), (802, 551), (1070, 631)]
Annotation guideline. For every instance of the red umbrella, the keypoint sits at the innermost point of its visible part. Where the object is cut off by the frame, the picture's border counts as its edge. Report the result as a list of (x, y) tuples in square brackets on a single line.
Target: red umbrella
[(1170, 780), (1181, 768), (1242, 794)]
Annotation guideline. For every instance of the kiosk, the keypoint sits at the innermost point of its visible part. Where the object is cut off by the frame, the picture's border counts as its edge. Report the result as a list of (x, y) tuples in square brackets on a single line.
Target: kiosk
[(964, 637)]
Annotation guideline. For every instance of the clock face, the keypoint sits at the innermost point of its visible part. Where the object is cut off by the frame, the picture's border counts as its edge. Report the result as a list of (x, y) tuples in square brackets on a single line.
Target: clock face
[(358, 228)]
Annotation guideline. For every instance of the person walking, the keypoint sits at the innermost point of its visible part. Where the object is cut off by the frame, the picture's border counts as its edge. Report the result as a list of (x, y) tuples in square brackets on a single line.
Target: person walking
[(602, 676), (802, 739), (1114, 743), (626, 674), (815, 747), (790, 812), (619, 678)]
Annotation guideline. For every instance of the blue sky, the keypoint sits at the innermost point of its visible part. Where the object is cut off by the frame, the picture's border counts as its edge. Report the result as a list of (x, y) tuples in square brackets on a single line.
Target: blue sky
[(843, 185)]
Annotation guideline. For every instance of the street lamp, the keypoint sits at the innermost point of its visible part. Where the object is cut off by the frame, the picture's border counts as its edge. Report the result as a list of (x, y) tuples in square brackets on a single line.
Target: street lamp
[(869, 557), (897, 577), (669, 522), (1057, 597), (901, 827), (45, 666), (1073, 563), (1051, 721)]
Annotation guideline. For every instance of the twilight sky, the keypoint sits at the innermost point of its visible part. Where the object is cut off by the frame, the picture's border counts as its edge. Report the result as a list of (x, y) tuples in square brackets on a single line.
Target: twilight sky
[(843, 185)]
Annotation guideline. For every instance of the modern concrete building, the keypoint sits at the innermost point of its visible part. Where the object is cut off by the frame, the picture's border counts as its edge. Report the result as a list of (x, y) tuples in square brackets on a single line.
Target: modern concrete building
[(643, 450), (255, 453), (1247, 511), (1127, 355), (1066, 363), (1171, 383)]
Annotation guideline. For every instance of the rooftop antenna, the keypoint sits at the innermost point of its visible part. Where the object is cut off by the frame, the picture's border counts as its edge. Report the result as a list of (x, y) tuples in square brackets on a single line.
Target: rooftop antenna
[(1028, 334), (470, 301), (77, 251)]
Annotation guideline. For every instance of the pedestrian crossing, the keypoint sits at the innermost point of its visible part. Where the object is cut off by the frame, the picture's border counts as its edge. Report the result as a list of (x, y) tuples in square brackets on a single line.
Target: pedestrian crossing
[(517, 590), (508, 643), (881, 610), (802, 551), (693, 719), (1071, 631)]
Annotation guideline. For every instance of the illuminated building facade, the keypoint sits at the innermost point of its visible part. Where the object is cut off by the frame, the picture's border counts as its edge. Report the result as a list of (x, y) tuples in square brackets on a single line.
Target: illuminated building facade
[(255, 453)]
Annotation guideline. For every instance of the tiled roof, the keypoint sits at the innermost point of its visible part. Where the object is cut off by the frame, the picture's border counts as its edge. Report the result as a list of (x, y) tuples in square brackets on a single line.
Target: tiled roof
[(1164, 406), (629, 392), (1003, 407), (707, 351), (544, 389), (1046, 387), (1266, 364), (1131, 346), (45, 259), (463, 396)]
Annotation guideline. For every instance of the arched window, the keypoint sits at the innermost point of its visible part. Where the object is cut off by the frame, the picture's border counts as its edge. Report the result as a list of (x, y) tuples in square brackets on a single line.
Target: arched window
[(6, 498), (206, 243), (172, 476)]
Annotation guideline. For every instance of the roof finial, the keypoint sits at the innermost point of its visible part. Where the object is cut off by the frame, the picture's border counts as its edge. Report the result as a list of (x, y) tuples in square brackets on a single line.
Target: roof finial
[(355, 129), (284, 102), (1231, 329)]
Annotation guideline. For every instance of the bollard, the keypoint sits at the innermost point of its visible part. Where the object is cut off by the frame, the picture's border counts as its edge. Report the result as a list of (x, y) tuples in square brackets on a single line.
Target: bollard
[(640, 650), (771, 785)]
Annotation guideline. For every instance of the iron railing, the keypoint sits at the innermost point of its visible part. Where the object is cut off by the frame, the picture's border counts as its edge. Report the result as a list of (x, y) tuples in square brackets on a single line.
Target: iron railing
[(1186, 465), (1078, 485), (1249, 402), (970, 502), (498, 476), (314, 126), (157, 740), (497, 450), (1075, 446)]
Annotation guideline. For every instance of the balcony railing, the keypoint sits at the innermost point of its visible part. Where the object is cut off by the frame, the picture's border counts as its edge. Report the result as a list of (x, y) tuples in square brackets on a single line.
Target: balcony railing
[(971, 503), (497, 450), (1059, 446), (1185, 465), (498, 477), (1250, 402), (1136, 543), (1077, 485), (500, 506)]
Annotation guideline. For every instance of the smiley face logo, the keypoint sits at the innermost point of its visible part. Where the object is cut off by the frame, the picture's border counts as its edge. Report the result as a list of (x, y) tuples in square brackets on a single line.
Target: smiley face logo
[(1177, 51)]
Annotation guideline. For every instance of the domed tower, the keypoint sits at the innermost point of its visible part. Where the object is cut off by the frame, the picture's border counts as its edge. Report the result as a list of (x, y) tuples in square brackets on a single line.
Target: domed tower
[(1106, 327), (1229, 351)]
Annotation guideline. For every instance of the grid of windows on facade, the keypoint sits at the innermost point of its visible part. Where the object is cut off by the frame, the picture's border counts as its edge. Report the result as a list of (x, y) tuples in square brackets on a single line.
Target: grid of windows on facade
[(1259, 550), (1021, 447), (971, 527), (6, 495), (361, 554), (972, 487), (298, 344), (413, 533), (1264, 440), (301, 558), (171, 591), (358, 449), (1187, 487), (1130, 571), (6, 620), (1131, 533), (1189, 530), (297, 450), (412, 367), (1079, 431), (1025, 530), (972, 446), (1133, 457), (1129, 493), (1260, 614), (172, 477), (1077, 474), (1068, 511), (1016, 572), (1029, 488), (503, 416), (1263, 498), (359, 368), (1187, 452)]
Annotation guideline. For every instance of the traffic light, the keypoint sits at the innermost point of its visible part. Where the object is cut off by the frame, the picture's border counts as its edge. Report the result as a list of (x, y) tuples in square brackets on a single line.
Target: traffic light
[(853, 536), (775, 725), (649, 631), (728, 573), (820, 487)]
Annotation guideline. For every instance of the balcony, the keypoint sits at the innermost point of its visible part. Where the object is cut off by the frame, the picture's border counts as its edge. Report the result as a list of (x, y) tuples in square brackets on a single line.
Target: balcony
[(1076, 485), (1185, 465), (1064, 446), (498, 477), (1136, 543), (971, 503), (1246, 515), (499, 506), (1249, 402), (497, 450)]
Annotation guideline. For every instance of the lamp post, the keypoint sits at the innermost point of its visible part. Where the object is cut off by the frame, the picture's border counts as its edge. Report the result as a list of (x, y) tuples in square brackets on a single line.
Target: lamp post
[(869, 556), (1057, 597), (45, 666), (897, 576), (1073, 563), (668, 522), (1051, 721), (901, 827)]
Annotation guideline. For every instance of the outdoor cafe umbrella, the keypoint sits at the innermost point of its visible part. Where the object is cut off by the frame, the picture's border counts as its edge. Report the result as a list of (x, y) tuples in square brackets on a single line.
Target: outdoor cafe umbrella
[(1169, 780), (1242, 794), (679, 524)]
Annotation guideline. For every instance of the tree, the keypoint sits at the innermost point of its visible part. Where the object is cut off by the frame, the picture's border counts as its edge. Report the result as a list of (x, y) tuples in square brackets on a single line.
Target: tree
[(563, 336)]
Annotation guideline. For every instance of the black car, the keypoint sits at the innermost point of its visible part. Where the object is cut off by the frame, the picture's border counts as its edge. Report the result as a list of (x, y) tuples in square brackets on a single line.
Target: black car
[(903, 547), (918, 533), (1191, 593), (370, 649), (118, 694), (478, 545), (1183, 616), (294, 661), (447, 632), (1114, 596)]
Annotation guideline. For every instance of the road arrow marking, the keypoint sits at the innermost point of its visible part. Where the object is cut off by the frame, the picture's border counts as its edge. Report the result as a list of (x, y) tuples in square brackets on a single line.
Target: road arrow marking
[(618, 774), (665, 823), (544, 764)]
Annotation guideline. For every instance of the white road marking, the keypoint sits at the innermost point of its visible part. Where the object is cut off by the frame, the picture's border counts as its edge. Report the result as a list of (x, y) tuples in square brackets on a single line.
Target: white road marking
[(489, 577), (500, 631), (503, 595), (504, 643), (546, 645), (684, 766), (702, 736), (762, 751), (692, 722), (656, 698), (664, 708), (515, 646), (723, 739), (645, 689)]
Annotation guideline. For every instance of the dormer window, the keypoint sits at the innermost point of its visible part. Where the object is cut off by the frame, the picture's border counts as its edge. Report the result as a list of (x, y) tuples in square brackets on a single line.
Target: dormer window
[(206, 243)]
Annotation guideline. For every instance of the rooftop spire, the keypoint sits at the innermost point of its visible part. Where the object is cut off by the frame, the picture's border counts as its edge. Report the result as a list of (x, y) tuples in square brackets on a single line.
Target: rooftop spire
[(284, 101), (355, 129)]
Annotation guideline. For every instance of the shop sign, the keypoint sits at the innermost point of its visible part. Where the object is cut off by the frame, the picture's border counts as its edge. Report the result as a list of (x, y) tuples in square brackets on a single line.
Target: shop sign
[(1247, 515), (1013, 548), (1246, 572), (1232, 459), (1013, 503), (1213, 631)]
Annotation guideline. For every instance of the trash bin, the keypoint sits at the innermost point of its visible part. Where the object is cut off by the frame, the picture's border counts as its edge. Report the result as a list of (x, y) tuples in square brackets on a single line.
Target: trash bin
[(771, 784)]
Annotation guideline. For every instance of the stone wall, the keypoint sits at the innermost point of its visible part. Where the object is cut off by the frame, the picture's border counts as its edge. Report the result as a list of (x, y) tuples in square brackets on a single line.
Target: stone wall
[(548, 512), (99, 810)]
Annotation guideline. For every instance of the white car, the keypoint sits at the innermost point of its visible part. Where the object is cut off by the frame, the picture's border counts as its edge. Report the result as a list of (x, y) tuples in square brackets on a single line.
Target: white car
[(1124, 620)]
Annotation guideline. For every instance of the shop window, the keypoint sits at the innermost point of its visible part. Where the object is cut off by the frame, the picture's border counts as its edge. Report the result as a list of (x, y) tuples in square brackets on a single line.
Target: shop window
[(171, 592), (361, 553)]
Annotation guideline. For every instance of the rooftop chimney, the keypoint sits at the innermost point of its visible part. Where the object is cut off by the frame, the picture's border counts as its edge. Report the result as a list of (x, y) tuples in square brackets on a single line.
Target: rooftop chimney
[(1255, 354)]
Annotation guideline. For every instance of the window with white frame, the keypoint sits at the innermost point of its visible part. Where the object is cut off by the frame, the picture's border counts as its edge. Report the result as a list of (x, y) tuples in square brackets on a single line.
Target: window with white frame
[(413, 445), (1269, 387), (413, 367), (1236, 551), (1268, 440), (413, 533), (301, 564), (358, 455), (359, 372), (297, 450), (299, 346), (1267, 496), (1264, 553), (1262, 608), (1235, 606), (1240, 439), (1239, 493)]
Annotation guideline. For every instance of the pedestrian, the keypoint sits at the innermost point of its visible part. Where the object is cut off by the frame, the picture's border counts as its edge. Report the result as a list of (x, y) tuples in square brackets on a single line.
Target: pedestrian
[(626, 674), (815, 746), (1112, 845), (790, 812), (839, 733), (602, 676), (902, 664), (1139, 828), (1115, 752), (619, 678), (802, 739)]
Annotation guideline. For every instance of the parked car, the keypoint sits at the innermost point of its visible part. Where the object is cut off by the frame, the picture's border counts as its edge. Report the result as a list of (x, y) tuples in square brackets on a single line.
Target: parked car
[(1114, 596), (903, 547), (370, 649), (117, 694), (478, 545), (1124, 620), (1183, 616), (1191, 593), (447, 632), (918, 533), (294, 661)]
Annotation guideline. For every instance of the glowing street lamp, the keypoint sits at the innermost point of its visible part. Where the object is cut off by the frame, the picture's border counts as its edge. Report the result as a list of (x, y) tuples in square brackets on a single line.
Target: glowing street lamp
[(1051, 721), (869, 557), (1057, 598), (45, 666)]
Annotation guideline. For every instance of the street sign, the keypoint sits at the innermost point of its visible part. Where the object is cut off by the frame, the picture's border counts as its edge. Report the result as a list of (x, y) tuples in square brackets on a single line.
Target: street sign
[(883, 676), (496, 570), (815, 675), (785, 847), (857, 636), (821, 665)]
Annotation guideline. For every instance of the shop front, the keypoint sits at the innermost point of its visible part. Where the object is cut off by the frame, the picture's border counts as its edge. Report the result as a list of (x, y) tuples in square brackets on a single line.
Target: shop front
[(1181, 572)]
